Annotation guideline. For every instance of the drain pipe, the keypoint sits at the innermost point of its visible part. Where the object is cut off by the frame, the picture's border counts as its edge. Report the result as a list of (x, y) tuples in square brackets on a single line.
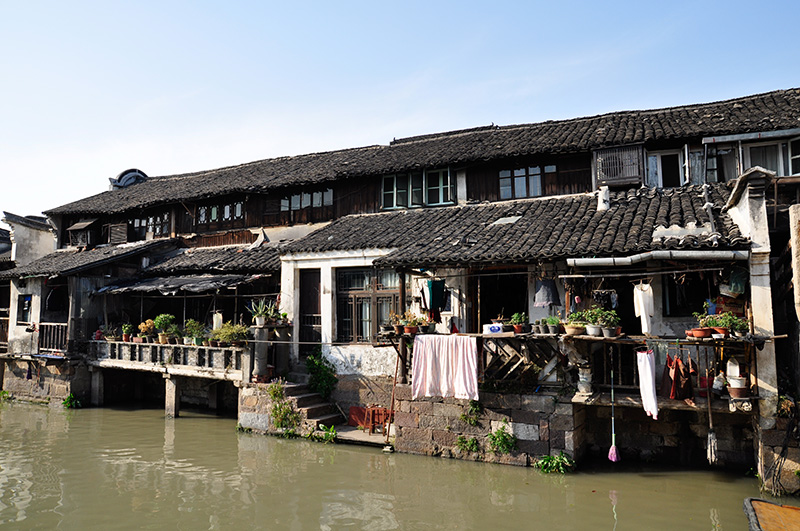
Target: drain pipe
[(658, 255)]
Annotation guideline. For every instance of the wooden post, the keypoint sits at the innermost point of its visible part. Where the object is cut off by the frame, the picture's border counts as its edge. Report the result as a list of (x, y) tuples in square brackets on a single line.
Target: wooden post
[(403, 349)]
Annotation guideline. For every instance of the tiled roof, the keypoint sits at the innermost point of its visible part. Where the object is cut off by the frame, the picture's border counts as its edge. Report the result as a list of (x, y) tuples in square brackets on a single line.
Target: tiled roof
[(546, 228), (771, 111), (231, 258), (69, 261)]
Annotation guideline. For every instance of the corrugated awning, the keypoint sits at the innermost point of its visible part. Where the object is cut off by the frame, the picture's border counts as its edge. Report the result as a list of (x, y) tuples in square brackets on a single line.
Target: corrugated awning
[(173, 285), (82, 224)]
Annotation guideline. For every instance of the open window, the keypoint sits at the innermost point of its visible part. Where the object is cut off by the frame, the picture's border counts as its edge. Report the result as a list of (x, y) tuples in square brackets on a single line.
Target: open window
[(665, 169)]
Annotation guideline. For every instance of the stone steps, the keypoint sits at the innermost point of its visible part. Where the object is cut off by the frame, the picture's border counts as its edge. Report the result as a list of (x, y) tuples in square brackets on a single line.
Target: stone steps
[(313, 409)]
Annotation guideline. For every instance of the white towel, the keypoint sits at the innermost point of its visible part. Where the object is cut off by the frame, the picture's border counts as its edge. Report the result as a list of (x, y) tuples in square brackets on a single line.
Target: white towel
[(446, 366), (643, 305), (647, 381)]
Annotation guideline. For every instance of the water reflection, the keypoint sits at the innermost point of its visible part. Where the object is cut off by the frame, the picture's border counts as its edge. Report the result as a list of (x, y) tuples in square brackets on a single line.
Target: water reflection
[(125, 469)]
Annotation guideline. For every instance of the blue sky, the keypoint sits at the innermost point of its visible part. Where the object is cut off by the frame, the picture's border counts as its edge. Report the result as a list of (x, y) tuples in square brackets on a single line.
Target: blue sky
[(89, 89)]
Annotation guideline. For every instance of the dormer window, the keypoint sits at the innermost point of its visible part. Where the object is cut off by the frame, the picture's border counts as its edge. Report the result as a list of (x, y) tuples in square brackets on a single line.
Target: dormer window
[(82, 233), (415, 189)]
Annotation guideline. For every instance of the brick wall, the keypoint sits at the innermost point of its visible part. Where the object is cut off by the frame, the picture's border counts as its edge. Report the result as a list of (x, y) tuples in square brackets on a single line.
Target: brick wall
[(51, 382)]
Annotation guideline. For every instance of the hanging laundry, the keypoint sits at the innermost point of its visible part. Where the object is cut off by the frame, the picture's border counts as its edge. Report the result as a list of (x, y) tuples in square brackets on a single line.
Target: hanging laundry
[(643, 305), (445, 366), (647, 381), (546, 293)]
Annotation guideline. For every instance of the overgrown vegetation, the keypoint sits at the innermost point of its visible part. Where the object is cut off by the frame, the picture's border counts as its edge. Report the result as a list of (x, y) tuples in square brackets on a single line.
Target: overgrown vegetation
[(322, 375), (467, 445), (501, 440), (324, 434), (242, 429), (560, 464), (284, 415), (5, 396), (71, 402), (472, 416)]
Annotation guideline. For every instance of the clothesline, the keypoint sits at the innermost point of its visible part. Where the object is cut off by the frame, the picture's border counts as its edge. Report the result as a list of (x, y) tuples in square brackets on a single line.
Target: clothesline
[(645, 273)]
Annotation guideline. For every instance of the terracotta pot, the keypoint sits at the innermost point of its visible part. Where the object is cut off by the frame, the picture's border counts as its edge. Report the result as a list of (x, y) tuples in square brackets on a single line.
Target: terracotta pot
[(720, 330), (702, 332), (410, 329), (163, 339), (518, 328), (689, 333), (213, 343), (574, 330), (137, 339), (238, 343), (126, 338)]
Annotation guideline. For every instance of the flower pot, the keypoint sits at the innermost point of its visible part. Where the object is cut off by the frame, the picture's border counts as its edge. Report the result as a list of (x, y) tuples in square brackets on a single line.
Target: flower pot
[(222, 344), (738, 392), (594, 330), (238, 343), (574, 330), (689, 333), (214, 343), (410, 329), (137, 339), (398, 329), (702, 332), (518, 328), (126, 338), (172, 341), (553, 329), (721, 330), (206, 342), (163, 339), (198, 341), (187, 340), (609, 332), (261, 320)]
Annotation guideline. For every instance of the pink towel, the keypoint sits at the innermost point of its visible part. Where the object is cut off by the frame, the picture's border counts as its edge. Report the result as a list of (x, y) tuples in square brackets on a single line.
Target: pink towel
[(446, 366)]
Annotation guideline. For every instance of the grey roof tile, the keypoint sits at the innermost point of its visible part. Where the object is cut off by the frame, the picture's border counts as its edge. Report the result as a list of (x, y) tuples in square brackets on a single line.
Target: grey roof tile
[(231, 258)]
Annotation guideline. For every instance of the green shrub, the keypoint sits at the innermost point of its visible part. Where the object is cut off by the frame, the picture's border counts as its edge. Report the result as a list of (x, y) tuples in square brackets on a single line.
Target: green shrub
[(472, 416), (162, 321), (561, 463), (467, 445), (502, 441), (322, 375), (284, 415), (71, 402)]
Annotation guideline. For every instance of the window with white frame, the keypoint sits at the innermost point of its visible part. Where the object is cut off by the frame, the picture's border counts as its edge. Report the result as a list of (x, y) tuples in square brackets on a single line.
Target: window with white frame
[(781, 157), (665, 169), (523, 182), (364, 300)]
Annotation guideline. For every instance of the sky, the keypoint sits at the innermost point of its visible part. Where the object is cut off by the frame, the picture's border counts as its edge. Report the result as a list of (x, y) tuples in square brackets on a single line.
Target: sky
[(89, 89)]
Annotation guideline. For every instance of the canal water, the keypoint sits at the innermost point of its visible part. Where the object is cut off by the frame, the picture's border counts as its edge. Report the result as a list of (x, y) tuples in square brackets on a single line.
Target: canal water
[(134, 469)]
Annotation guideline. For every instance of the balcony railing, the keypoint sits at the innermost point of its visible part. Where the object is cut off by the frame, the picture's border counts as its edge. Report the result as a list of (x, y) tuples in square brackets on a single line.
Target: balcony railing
[(52, 337)]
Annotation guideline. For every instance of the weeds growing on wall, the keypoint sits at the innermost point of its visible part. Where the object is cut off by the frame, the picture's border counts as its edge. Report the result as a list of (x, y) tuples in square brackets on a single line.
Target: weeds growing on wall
[(560, 464), (325, 434), (283, 413), (501, 440), (71, 402), (467, 445), (322, 375), (5, 396), (472, 416)]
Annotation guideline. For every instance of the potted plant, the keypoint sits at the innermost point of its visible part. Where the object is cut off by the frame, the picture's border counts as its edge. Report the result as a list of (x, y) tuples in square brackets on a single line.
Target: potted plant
[(738, 326), (109, 332), (592, 317), (396, 322), (553, 323), (518, 321), (146, 329), (195, 330), (259, 309), (162, 323), (229, 333), (704, 321), (412, 322), (127, 330), (608, 321), (575, 324)]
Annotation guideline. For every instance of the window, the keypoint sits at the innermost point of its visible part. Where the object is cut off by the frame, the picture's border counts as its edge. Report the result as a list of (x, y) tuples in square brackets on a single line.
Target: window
[(665, 170), (618, 166), (364, 299), (404, 190), (238, 210), (327, 197), (316, 199), (781, 157), (285, 204), (24, 309), (202, 215), (214, 214), (523, 182), (226, 213)]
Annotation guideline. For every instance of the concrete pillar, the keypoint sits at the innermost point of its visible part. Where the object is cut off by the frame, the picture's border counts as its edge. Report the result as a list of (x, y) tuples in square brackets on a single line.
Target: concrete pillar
[(172, 402), (2, 373), (214, 396), (761, 300), (259, 351), (97, 386)]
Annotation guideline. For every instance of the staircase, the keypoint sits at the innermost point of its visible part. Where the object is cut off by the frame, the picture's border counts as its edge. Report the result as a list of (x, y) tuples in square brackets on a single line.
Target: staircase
[(312, 407)]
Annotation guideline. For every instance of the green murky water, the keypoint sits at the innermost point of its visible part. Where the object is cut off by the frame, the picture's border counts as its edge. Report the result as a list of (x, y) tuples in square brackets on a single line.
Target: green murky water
[(134, 469)]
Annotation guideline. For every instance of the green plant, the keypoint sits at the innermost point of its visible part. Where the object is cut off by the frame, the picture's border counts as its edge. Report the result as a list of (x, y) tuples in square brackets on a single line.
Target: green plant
[(109, 330), (230, 332), (5, 396), (242, 429), (163, 321), (146, 328), (324, 434), (127, 328), (732, 322), (473, 414), (552, 320), (576, 317), (593, 315), (322, 375), (501, 440), (275, 391), (519, 318), (174, 330), (561, 463), (194, 328), (467, 445), (412, 319), (71, 402), (258, 307), (608, 318), (284, 415)]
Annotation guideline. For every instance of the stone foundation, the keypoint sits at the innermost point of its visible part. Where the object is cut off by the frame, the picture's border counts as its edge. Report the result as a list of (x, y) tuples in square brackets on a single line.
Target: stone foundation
[(50, 381), (543, 425), (352, 390), (780, 477), (255, 411)]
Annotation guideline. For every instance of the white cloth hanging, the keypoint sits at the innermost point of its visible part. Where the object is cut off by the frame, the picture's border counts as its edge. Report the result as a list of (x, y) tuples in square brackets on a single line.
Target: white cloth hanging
[(647, 381), (444, 365), (643, 305)]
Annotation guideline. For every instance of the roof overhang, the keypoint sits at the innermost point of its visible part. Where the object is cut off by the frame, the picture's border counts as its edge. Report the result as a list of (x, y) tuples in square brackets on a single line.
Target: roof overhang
[(174, 285)]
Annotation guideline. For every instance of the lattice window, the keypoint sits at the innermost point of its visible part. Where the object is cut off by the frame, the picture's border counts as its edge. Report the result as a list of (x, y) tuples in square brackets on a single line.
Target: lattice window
[(619, 165)]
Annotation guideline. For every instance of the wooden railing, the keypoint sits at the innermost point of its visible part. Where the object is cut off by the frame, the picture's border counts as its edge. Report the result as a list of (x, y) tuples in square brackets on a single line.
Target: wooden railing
[(4, 330), (53, 337)]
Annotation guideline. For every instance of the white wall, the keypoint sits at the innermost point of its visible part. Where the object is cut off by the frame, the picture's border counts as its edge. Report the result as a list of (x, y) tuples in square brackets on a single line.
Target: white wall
[(29, 244)]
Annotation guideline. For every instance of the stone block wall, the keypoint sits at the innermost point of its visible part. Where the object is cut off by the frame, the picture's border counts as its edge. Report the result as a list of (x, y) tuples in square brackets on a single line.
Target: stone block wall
[(780, 474), (543, 424), (48, 382), (255, 405), (353, 390), (678, 437)]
